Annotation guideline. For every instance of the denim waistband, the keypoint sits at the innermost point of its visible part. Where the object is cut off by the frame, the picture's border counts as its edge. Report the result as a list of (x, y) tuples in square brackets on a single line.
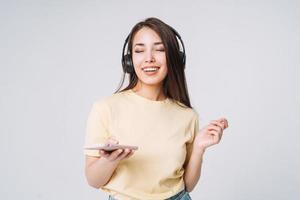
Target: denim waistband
[(175, 197)]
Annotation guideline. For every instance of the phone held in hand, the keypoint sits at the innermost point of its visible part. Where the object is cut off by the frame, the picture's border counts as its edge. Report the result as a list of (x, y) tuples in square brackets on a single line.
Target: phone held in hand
[(110, 147)]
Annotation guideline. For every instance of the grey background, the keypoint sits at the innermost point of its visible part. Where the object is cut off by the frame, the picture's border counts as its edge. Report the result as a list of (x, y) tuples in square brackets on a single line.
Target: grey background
[(58, 57)]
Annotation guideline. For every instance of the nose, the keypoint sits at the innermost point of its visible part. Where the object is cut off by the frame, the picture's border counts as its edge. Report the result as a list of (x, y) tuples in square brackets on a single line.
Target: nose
[(149, 57)]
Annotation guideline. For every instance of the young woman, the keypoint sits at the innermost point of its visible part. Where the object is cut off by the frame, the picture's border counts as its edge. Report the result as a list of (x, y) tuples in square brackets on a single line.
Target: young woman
[(154, 113)]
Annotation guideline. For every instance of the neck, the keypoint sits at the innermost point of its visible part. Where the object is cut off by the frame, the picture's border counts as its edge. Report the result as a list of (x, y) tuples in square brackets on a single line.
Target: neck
[(152, 92)]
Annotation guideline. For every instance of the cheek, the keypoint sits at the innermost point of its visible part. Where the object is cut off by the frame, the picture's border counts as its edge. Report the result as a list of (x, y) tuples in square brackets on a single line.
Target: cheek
[(164, 70), (137, 60), (162, 57), (163, 61)]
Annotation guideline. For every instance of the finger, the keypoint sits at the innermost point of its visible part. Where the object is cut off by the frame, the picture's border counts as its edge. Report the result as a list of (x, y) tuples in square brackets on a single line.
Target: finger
[(215, 127), (218, 123), (216, 133), (224, 121), (115, 154), (112, 141), (130, 154), (124, 154), (216, 136), (104, 154), (127, 152)]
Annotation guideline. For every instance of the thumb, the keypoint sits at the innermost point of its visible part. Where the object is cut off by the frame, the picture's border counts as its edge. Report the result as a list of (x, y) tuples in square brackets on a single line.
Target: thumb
[(112, 141)]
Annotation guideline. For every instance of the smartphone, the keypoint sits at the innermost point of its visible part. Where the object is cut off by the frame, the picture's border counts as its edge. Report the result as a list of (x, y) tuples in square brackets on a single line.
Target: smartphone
[(110, 148)]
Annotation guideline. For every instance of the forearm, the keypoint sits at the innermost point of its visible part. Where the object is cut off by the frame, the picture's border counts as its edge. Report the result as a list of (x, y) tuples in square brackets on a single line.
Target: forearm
[(193, 169), (99, 172)]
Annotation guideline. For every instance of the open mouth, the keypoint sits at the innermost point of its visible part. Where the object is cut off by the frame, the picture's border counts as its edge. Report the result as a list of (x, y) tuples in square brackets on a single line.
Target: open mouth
[(150, 69)]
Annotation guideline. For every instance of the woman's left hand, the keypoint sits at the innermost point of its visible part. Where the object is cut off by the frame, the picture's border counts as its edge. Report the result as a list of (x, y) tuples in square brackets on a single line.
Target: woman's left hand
[(210, 134)]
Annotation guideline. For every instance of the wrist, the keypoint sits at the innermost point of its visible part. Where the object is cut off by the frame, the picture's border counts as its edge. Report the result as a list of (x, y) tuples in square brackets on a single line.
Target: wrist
[(199, 150)]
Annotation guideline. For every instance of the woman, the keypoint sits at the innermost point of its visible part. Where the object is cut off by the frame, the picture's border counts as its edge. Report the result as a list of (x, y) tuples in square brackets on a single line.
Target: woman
[(154, 113)]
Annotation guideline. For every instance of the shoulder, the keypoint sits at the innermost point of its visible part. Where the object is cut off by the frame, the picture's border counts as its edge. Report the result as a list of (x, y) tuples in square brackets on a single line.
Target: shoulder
[(193, 114), (190, 113), (110, 100)]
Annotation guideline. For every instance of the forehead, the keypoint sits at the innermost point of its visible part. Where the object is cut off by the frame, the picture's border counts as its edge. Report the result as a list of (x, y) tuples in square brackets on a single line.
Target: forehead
[(146, 35)]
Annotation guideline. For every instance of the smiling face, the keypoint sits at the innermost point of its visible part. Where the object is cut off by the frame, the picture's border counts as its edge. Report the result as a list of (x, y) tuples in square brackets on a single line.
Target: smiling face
[(149, 57)]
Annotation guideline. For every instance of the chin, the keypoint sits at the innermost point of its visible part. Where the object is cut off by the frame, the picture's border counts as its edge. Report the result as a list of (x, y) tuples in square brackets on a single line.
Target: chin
[(151, 81)]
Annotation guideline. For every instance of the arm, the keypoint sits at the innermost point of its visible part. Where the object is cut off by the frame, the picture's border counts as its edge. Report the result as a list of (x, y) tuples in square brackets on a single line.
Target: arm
[(208, 136), (98, 170), (193, 169)]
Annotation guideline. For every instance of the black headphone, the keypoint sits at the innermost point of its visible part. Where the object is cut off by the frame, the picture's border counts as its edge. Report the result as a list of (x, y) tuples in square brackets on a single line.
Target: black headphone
[(127, 63)]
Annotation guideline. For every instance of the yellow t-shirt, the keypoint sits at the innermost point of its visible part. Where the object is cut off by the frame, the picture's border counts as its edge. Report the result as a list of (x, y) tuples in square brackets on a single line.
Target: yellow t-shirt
[(163, 132)]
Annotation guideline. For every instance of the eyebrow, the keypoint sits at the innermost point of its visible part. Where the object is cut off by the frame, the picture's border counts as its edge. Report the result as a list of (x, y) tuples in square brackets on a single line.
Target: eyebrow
[(142, 44)]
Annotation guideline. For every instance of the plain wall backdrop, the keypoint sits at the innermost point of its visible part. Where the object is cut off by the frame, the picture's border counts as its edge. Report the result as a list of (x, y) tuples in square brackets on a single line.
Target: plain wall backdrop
[(58, 57)]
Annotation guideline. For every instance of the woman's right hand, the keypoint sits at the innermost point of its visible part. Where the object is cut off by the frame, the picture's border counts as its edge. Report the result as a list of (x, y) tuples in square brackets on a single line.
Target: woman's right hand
[(116, 155)]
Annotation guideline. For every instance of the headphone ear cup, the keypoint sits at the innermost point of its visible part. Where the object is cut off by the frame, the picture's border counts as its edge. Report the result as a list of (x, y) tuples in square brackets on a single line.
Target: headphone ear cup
[(182, 58), (127, 64)]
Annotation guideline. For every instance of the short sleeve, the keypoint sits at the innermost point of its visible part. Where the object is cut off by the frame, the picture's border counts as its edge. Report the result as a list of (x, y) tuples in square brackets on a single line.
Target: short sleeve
[(194, 129), (97, 127)]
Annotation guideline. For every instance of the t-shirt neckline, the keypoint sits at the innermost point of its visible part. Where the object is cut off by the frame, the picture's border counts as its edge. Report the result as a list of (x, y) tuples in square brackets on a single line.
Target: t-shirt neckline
[(146, 99)]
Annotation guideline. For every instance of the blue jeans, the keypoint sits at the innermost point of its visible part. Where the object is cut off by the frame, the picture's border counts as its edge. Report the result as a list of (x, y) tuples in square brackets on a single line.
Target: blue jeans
[(183, 195)]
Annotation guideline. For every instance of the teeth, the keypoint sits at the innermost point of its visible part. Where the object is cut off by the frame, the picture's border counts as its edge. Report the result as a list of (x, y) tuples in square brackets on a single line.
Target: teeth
[(150, 69)]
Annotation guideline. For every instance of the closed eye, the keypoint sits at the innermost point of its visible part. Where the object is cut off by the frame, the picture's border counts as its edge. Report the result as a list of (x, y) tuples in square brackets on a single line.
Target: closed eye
[(138, 51)]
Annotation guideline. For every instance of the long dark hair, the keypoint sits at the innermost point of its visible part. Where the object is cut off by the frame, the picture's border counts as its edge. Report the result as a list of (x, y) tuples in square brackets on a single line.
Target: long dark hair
[(174, 84)]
